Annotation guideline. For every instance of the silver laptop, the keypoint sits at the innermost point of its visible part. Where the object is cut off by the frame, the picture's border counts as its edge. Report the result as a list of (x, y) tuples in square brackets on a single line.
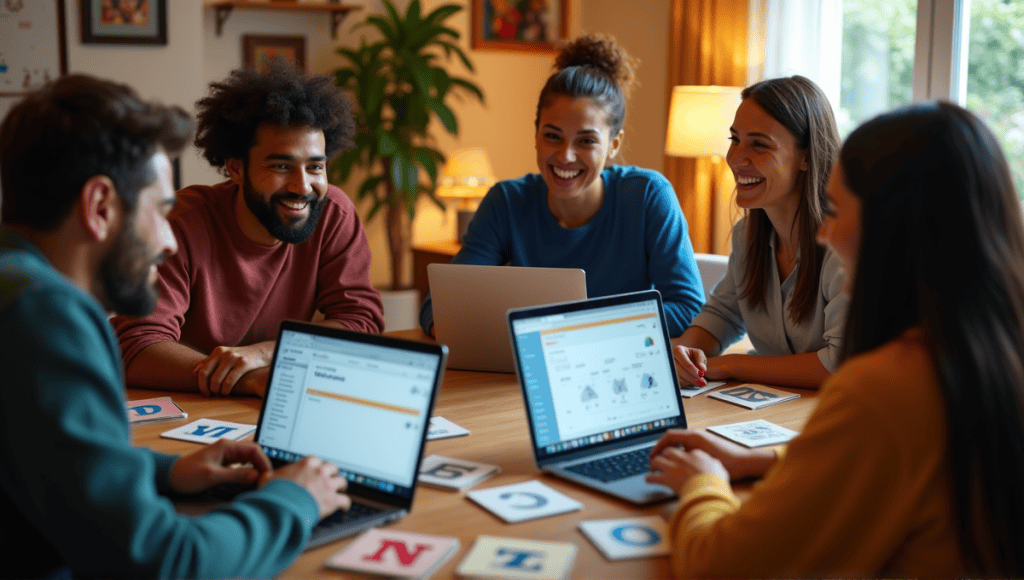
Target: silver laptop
[(470, 303), (600, 389), (360, 401)]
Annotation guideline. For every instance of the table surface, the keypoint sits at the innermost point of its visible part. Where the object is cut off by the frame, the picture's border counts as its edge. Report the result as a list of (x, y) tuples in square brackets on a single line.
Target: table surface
[(491, 407)]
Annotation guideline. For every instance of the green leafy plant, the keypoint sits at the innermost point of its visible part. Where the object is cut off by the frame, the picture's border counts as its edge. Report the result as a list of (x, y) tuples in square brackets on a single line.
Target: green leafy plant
[(399, 84)]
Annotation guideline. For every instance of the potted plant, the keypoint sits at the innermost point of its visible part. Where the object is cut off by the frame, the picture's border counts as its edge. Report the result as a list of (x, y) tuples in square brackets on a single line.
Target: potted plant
[(398, 84)]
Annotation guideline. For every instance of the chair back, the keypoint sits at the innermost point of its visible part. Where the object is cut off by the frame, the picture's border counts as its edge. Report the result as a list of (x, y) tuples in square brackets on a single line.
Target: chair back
[(712, 269)]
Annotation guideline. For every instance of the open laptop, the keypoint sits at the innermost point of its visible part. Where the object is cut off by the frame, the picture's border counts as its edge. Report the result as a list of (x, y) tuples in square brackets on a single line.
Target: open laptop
[(470, 303), (360, 401), (600, 389)]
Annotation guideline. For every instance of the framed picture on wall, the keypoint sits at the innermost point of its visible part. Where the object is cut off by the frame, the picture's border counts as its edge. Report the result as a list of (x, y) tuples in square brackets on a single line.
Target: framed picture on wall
[(259, 51), (516, 25), (32, 48), (124, 21)]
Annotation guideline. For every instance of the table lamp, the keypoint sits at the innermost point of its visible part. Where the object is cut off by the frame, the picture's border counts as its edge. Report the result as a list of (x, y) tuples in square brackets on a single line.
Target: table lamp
[(466, 177), (698, 126)]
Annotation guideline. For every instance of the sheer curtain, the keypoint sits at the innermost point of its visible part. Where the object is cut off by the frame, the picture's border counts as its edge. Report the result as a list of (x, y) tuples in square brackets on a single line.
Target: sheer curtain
[(800, 37)]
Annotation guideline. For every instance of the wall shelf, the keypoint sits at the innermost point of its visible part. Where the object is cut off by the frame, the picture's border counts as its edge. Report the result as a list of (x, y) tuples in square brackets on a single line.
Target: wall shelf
[(337, 11)]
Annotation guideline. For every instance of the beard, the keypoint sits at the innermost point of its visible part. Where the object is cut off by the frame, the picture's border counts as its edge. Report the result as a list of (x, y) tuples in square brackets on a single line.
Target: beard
[(124, 274), (294, 232)]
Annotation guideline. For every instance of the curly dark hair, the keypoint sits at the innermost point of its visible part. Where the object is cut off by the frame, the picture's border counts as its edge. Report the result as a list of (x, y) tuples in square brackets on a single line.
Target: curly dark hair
[(91, 127), (593, 66), (230, 113)]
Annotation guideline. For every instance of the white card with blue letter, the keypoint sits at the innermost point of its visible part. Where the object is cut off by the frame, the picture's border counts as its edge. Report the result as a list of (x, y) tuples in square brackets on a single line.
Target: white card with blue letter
[(494, 557), (209, 431), (626, 538), (524, 501)]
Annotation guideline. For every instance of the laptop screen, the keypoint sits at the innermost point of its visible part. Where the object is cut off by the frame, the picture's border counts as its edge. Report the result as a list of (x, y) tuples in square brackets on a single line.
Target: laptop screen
[(594, 373), (359, 404)]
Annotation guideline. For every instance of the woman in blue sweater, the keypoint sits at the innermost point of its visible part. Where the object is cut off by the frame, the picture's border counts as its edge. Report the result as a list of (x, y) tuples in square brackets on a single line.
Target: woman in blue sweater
[(621, 224)]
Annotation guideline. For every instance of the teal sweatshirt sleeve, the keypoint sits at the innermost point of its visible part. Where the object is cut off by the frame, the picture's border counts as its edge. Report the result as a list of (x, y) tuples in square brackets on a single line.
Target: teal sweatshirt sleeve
[(72, 484)]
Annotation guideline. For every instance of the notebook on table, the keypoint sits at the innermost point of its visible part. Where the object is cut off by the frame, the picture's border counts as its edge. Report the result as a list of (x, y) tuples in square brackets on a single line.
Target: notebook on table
[(360, 401), (600, 389), (470, 303)]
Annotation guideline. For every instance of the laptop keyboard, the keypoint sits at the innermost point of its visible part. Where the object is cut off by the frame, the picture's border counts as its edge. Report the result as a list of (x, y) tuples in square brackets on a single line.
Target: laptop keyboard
[(358, 511), (615, 467)]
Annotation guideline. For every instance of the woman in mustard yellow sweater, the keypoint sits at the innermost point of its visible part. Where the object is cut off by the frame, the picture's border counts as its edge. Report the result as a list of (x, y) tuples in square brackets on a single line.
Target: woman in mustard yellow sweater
[(913, 463)]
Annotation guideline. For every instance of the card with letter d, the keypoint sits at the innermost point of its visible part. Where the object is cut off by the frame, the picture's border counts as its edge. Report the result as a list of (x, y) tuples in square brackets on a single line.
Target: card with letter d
[(629, 537), (209, 431), (493, 557)]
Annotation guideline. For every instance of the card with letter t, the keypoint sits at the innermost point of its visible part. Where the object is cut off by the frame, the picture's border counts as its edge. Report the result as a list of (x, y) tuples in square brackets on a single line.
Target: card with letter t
[(493, 557), (629, 537), (395, 554), (209, 431)]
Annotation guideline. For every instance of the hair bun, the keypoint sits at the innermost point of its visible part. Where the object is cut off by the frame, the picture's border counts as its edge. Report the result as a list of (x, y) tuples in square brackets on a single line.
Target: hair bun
[(602, 52)]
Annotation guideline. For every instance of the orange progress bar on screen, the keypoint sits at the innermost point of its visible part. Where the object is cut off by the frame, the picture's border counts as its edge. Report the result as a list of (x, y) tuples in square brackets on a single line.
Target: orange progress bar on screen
[(598, 323), (366, 402)]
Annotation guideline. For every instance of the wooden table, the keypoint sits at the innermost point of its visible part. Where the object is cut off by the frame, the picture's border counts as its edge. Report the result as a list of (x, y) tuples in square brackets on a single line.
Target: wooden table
[(491, 407)]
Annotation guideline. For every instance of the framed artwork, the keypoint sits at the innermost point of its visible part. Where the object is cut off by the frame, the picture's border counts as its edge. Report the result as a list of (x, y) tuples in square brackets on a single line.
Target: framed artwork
[(259, 51), (517, 25), (32, 48), (124, 21)]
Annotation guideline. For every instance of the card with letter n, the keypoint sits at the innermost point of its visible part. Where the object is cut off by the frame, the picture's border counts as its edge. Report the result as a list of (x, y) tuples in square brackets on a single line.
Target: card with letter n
[(524, 501), (757, 433), (209, 431), (752, 396), (494, 557), (627, 538), (451, 473), (395, 554)]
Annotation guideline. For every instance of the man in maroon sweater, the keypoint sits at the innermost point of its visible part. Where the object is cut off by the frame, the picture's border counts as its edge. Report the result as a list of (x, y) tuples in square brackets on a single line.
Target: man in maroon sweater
[(274, 242)]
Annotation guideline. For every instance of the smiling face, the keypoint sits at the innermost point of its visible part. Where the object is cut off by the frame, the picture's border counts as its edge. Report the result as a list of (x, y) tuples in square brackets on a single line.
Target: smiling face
[(284, 183), (765, 160), (840, 230), (573, 145)]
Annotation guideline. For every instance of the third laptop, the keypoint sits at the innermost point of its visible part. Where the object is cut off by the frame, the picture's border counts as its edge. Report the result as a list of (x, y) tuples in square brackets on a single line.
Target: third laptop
[(600, 389)]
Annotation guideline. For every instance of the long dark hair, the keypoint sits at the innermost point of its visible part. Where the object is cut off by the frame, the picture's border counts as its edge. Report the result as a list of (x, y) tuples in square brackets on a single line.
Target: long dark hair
[(802, 108), (943, 248)]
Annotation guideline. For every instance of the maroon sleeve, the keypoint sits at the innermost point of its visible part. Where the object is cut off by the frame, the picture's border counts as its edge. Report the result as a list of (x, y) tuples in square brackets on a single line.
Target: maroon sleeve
[(344, 293), (174, 284)]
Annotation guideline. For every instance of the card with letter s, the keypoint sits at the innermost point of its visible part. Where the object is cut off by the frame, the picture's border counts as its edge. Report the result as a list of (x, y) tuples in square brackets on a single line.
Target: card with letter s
[(494, 557), (452, 473)]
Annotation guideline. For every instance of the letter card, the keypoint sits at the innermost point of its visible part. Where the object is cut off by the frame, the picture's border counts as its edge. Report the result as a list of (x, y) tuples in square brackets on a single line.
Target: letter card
[(451, 473), (395, 554), (441, 428), (155, 409), (494, 557), (752, 396), (694, 390), (209, 431), (524, 501), (757, 433), (627, 538)]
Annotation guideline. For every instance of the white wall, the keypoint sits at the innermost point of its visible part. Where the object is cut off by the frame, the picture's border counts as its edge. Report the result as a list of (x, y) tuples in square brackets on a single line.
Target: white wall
[(194, 56)]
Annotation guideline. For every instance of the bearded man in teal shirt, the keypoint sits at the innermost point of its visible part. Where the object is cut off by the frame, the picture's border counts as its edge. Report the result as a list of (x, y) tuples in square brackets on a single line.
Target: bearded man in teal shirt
[(85, 175)]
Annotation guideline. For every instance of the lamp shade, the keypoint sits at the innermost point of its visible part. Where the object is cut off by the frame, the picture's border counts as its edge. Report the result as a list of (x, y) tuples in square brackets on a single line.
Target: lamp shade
[(699, 120), (466, 174)]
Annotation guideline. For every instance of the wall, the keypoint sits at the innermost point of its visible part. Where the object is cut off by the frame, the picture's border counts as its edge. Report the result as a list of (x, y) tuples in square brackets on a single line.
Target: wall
[(194, 56), (645, 34), (169, 73)]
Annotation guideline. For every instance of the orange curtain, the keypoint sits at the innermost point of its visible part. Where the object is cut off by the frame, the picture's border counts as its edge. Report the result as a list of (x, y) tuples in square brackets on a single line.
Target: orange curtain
[(708, 46)]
